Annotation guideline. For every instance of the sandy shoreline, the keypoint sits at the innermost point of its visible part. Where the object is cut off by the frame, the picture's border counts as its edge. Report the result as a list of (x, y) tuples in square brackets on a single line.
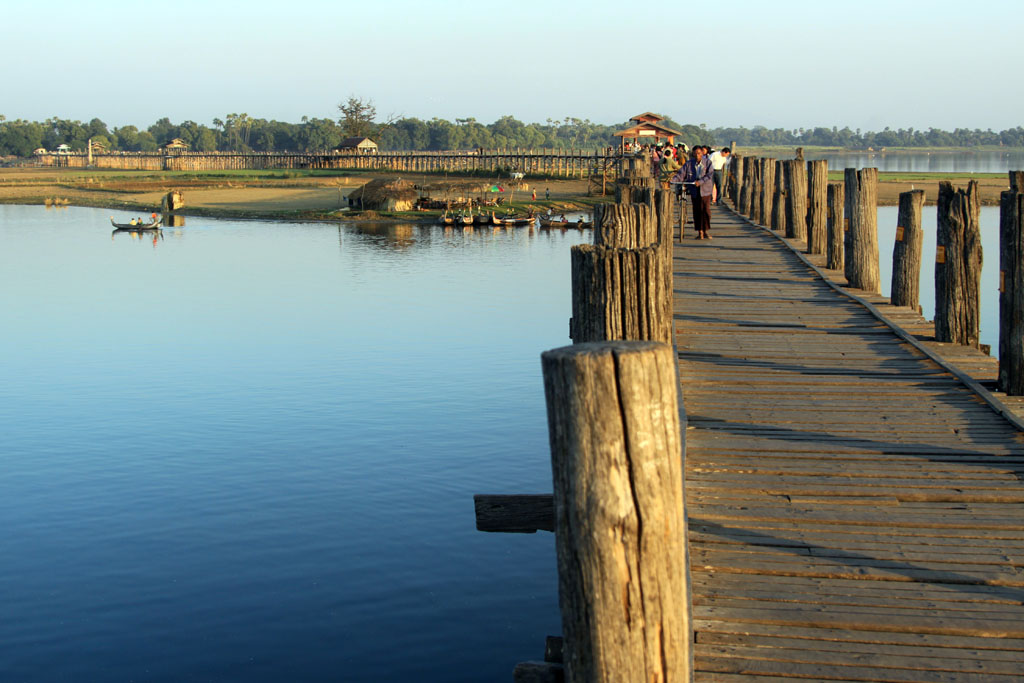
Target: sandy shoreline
[(314, 198)]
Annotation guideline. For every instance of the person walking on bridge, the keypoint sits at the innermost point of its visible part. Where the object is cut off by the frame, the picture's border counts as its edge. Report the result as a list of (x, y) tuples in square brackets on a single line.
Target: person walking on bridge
[(698, 177), (720, 162)]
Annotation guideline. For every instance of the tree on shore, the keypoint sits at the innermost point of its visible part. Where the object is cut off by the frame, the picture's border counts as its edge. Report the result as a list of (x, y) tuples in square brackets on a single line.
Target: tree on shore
[(357, 117)]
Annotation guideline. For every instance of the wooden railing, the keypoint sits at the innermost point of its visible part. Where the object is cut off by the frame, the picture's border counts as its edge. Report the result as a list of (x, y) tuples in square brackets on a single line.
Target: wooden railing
[(567, 163), (849, 240)]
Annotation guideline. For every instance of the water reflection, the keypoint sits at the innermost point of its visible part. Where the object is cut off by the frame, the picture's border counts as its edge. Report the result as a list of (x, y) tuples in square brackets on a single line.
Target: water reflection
[(152, 236), (926, 162), (390, 235)]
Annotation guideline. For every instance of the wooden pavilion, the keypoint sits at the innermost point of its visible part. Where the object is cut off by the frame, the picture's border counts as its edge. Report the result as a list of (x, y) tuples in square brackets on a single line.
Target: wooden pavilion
[(646, 128)]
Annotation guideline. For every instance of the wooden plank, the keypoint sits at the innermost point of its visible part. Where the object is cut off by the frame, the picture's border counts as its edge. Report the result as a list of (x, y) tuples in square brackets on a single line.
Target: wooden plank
[(844, 486)]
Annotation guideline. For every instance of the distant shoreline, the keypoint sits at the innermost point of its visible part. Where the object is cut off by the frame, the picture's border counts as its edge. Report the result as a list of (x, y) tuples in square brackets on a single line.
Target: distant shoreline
[(311, 197)]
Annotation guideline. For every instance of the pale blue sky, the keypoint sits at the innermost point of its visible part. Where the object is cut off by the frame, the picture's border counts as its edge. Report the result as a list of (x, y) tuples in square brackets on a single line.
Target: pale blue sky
[(791, 64)]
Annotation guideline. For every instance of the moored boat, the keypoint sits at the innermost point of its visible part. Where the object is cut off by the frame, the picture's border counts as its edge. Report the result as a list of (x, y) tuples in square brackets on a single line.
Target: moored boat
[(154, 225)]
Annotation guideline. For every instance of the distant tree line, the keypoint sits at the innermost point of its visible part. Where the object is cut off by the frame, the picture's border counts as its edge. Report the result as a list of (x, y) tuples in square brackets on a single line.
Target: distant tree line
[(242, 133)]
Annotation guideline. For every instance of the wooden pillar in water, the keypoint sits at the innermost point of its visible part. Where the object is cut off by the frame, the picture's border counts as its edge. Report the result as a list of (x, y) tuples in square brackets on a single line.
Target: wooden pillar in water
[(744, 201), (767, 193), (796, 199), (778, 214), (1011, 286), (620, 525), (737, 179), (817, 210), (619, 293), (958, 265), (861, 244), (906, 251), (835, 227), (754, 173)]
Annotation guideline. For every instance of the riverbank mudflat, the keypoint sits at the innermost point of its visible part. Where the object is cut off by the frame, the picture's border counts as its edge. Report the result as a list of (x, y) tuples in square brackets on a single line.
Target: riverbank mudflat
[(306, 196)]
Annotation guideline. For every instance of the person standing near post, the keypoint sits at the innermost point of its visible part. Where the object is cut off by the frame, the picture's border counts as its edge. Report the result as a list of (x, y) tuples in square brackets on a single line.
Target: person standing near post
[(719, 163), (699, 178)]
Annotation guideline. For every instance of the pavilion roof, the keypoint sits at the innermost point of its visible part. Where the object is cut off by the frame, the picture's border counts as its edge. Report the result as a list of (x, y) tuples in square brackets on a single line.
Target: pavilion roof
[(647, 117), (660, 131)]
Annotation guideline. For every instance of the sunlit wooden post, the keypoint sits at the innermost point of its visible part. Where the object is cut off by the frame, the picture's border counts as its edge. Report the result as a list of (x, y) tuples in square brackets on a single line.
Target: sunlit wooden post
[(767, 190), (620, 528), (817, 206), (796, 199), (861, 244), (906, 251), (958, 265)]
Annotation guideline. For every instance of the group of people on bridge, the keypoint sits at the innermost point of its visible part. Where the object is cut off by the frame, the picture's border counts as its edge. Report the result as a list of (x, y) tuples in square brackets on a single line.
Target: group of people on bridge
[(701, 171)]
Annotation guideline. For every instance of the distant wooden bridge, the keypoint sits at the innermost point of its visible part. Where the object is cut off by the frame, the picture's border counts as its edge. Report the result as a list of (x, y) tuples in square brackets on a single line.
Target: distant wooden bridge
[(564, 163)]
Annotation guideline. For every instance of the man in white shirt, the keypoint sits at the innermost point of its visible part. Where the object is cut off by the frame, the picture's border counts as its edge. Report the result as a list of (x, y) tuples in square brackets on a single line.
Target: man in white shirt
[(719, 162)]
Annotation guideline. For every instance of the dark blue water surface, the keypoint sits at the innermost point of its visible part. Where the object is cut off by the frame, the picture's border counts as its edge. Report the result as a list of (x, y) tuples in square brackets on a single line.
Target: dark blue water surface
[(247, 451)]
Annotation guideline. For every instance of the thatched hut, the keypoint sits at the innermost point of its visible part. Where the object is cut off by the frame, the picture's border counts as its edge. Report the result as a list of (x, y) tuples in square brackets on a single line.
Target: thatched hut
[(384, 195)]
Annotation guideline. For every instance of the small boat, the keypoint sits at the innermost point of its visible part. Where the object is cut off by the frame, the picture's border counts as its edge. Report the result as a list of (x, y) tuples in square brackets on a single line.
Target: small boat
[(154, 225), (481, 219), (509, 219), (447, 220), (463, 219), (581, 224)]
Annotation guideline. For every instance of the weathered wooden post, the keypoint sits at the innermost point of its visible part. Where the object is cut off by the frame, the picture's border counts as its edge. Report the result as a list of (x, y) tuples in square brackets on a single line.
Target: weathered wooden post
[(754, 175), (743, 200), (620, 528), (778, 216), (622, 285), (664, 211), (860, 246), (958, 265), (767, 190), (1011, 286), (737, 179), (906, 251), (836, 227), (796, 199), (817, 206)]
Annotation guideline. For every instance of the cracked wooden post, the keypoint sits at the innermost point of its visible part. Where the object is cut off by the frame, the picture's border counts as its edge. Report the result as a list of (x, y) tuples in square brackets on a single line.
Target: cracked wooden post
[(1011, 286), (835, 226), (958, 265), (767, 190), (861, 244), (620, 528), (755, 175), (737, 165), (906, 251), (620, 294), (796, 198), (778, 213), (817, 200)]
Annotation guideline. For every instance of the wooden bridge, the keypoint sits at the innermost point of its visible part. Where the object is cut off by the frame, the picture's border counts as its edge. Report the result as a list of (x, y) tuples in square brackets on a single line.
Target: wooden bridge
[(855, 511), (854, 494), (600, 165)]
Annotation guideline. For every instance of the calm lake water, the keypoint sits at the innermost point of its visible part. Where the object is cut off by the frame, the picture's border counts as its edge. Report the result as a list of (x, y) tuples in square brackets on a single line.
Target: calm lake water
[(925, 162), (989, 223), (248, 451)]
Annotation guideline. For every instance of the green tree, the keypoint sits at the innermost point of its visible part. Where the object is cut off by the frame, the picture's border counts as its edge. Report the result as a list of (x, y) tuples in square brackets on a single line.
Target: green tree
[(357, 117)]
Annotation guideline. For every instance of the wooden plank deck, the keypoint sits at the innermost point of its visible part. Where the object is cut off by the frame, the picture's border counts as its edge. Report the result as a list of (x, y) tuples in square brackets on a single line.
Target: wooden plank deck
[(856, 513)]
